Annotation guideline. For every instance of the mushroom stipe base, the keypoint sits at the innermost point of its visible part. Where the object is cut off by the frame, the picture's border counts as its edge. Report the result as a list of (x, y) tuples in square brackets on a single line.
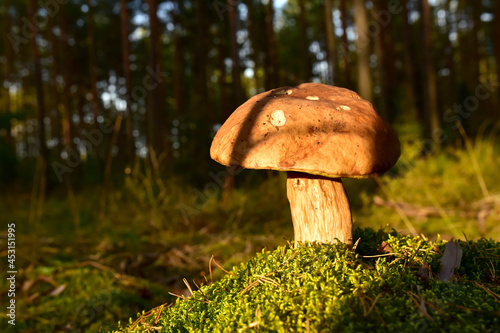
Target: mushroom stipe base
[(320, 208)]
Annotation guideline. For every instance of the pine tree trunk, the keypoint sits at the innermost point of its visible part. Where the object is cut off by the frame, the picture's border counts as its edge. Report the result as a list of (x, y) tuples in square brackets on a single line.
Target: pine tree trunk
[(330, 43), (411, 82), (384, 48), (39, 189), (430, 99), (178, 65), (476, 10), (92, 61), (224, 102), (252, 31), (157, 119), (304, 43), (55, 99), (345, 46), (450, 59), (200, 67), (124, 21), (67, 127), (8, 65), (363, 50), (236, 68), (496, 42), (272, 70)]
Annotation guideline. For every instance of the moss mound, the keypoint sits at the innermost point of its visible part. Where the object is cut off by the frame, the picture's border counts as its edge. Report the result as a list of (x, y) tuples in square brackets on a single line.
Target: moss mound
[(389, 284)]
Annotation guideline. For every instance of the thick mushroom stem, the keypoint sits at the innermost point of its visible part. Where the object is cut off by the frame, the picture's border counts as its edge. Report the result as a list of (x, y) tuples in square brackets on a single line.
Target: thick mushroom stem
[(320, 208)]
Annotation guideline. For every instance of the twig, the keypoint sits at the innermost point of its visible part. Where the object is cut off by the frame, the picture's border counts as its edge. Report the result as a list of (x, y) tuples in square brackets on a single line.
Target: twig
[(259, 280), (422, 308), (489, 292), (218, 265)]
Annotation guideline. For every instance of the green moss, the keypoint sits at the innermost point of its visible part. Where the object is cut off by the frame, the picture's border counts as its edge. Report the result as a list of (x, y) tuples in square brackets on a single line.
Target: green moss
[(330, 288)]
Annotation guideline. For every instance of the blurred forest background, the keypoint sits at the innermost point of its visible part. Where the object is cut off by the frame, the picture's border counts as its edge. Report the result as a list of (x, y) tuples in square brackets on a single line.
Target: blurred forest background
[(108, 109)]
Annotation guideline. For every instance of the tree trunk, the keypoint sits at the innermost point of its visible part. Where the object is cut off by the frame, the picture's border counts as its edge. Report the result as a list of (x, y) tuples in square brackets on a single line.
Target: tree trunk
[(178, 65), (411, 82), (363, 50), (386, 61), (477, 54), (451, 97), (92, 62), (330, 43), (225, 106), (158, 109), (42, 142), (430, 91), (252, 32), (55, 99), (236, 68), (124, 21), (496, 42), (67, 127), (203, 100), (345, 46), (200, 66), (476, 10), (107, 183), (380, 53), (272, 71), (304, 42), (80, 108), (8, 66)]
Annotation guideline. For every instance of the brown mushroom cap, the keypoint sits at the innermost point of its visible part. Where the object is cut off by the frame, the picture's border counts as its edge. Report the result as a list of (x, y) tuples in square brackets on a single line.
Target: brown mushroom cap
[(311, 128)]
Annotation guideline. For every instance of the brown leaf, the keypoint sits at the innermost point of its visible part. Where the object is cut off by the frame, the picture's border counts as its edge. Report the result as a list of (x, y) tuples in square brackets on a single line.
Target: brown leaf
[(450, 260), (384, 248)]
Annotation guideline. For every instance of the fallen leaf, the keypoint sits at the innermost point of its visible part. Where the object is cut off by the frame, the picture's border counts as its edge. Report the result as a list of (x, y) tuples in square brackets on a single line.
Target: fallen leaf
[(384, 247), (450, 260)]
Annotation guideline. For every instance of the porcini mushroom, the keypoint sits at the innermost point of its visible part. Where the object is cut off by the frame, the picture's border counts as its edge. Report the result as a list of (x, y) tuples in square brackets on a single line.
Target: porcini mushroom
[(318, 134)]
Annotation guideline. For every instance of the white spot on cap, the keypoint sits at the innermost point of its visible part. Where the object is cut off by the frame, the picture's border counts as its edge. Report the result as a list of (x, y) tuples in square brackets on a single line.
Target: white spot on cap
[(343, 107), (277, 118), (288, 92), (312, 98)]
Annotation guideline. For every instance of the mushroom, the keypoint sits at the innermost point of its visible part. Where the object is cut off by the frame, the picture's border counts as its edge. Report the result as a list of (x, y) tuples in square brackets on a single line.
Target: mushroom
[(318, 134)]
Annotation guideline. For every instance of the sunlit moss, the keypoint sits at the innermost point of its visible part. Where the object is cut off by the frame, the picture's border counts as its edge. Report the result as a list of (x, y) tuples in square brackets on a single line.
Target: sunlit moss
[(330, 288)]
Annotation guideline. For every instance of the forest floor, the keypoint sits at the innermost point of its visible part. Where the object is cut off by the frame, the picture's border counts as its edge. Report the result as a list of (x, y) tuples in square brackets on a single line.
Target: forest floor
[(81, 268)]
